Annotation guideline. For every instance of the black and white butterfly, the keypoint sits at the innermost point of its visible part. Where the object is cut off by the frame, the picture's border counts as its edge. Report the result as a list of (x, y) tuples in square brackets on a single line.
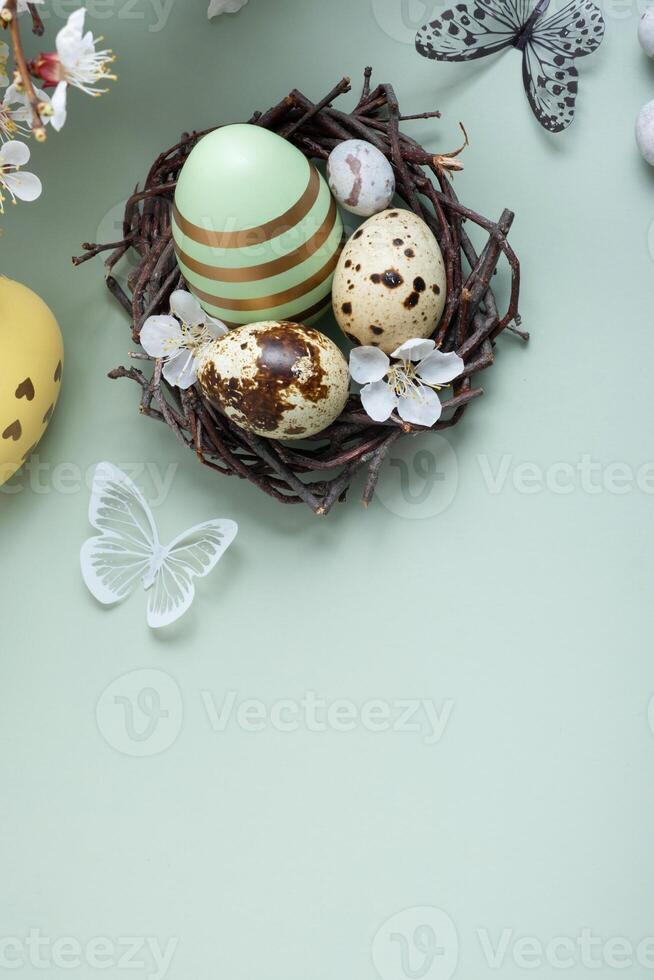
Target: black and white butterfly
[(549, 46)]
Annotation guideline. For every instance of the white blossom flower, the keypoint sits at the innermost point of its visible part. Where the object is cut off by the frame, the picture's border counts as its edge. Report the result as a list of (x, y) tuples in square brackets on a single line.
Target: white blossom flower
[(180, 339), (13, 119), (409, 385), (16, 114), (25, 186), (217, 7), (76, 62)]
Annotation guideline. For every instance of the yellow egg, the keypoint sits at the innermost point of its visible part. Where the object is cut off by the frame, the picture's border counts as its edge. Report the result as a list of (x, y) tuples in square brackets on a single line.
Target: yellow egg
[(31, 364), (281, 380)]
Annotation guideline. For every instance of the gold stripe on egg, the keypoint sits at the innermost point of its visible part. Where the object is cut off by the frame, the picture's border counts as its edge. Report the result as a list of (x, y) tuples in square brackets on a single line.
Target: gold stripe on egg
[(254, 236), (265, 269), (276, 299), (320, 307)]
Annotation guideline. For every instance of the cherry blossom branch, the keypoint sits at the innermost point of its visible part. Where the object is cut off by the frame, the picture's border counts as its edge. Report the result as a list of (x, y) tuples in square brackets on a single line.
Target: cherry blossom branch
[(10, 15)]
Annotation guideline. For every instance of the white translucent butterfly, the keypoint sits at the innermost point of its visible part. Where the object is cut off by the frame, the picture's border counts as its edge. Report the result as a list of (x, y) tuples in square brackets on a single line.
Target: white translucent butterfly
[(128, 551)]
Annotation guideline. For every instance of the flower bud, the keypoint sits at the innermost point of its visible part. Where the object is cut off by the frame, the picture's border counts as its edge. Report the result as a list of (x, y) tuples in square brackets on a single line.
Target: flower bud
[(47, 67)]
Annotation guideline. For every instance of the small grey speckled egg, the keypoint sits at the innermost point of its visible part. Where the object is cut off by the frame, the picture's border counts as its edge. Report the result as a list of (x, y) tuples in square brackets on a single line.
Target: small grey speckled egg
[(645, 131), (360, 177), (646, 32), (390, 282), (278, 379)]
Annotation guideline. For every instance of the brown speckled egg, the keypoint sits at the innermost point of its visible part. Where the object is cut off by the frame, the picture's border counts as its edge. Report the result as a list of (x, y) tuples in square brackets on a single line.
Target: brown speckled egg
[(278, 379), (390, 283)]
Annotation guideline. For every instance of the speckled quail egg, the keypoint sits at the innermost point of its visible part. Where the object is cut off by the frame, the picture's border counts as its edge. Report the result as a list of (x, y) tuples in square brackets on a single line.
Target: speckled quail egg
[(278, 379), (390, 282), (360, 177)]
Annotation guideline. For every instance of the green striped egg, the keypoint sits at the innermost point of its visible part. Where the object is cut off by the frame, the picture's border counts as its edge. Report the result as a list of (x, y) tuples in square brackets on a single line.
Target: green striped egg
[(256, 230)]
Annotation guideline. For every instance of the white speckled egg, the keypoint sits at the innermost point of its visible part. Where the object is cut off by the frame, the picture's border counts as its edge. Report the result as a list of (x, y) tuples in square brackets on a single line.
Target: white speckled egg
[(645, 131), (360, 177), (390, 281), (278, 379), (646, 32)]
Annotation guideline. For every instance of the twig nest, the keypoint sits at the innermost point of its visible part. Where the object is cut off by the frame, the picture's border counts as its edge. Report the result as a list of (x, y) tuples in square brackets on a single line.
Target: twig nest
[(390, 281), (278, 379), (645, 132), (360, 177), (289, 381), (646, 32)]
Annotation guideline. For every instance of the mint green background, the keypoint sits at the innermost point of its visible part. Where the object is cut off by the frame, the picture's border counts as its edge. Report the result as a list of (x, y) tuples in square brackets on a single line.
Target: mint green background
[(279, 855)]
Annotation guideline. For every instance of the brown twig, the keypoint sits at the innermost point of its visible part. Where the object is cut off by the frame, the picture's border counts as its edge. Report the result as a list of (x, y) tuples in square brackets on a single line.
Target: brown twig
[(37, 23)]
